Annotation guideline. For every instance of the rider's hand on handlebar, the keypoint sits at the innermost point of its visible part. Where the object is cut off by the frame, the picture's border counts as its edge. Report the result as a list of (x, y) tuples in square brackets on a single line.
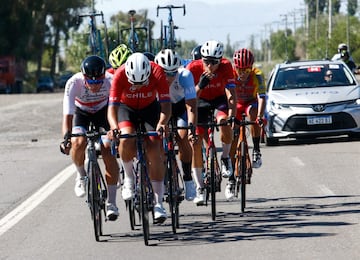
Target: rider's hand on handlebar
[(261, 121), (66, 144)]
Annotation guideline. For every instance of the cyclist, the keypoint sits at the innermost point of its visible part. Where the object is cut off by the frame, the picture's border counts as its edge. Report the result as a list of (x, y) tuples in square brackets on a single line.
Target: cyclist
[(195, 53), (183, 99), (140, 91), (85, 100), (342, 47), (149, 55), (118, 56), (250, 95), (345, 57), (215, 86)]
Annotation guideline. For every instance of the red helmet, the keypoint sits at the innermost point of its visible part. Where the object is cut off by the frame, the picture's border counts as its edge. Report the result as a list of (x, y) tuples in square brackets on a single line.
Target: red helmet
[(243, 58)]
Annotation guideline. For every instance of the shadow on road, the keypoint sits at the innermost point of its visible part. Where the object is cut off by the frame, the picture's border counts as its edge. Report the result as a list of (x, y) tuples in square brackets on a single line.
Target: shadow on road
[(275, 218)]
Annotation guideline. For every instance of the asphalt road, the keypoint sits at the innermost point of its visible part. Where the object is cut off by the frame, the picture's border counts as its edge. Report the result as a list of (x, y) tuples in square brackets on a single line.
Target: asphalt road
[(304, 202)]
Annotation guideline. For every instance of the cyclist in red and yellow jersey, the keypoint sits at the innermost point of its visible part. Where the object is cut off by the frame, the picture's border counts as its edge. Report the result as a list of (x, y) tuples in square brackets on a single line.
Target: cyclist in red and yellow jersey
[(250, 95)]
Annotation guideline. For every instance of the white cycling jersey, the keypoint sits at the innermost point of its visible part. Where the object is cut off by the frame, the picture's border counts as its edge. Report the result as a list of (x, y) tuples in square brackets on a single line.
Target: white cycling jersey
[(77, 95), (183, 86)]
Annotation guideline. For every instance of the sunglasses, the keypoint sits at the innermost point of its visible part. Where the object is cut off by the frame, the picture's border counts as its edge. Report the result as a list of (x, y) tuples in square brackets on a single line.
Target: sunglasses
[(329, 75), (171, 74), (94, 81), (244, 71), (211, 61)]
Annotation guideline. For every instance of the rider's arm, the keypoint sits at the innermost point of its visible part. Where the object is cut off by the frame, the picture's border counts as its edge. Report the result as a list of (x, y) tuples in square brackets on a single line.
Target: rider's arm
[(112, 116), (165, 114), (67, 124), (231, 97)]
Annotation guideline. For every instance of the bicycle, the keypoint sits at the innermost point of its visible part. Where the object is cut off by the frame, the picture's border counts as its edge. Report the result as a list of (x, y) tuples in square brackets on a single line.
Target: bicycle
[(96, 186), (175, 193), (144, 196), (95, 42), (168, 31), (133, 37), (243, 165), (212, 178)]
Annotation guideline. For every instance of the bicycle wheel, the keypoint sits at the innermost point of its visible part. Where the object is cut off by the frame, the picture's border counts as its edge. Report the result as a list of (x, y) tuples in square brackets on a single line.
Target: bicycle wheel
[(131, 209), (94, 193), (213, 183), (173, 189), (144, 204), (243, 175)]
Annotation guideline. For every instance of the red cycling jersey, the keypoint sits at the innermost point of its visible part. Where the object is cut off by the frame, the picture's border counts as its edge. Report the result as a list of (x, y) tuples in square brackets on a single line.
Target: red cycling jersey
[(246, 92), (224, 78), (122, 91)]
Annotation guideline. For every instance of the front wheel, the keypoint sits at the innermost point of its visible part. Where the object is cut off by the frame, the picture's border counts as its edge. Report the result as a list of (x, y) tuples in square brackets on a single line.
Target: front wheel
[(94, 193), (213, 183), (144, 205)]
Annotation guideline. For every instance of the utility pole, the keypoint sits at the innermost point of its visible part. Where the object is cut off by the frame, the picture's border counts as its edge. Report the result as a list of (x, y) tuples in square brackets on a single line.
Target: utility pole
[(330, 19)]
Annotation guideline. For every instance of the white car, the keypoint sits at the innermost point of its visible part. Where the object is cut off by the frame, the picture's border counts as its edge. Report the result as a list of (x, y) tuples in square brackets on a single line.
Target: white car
[(302, 101)]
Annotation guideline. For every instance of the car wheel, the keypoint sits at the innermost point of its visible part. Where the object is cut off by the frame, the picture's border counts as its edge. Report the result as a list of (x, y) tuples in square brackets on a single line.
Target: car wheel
[(270, 141)]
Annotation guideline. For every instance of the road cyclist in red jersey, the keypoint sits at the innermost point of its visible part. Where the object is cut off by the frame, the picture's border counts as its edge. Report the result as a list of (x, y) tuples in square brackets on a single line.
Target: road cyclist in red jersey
[(184, 110), (86, 100), (140, 91), (215, 87), (250, 96)]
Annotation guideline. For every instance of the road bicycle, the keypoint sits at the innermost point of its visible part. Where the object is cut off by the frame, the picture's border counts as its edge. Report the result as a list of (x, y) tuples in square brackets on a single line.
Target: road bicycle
[(212, 174), (95, 42), (167, 32), (243, 165), (143, 200), (96, 186), (174, 192), (134, 36)]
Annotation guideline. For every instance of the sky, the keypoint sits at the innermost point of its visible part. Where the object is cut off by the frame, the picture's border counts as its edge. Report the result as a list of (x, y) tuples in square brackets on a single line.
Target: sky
[(216, 19)]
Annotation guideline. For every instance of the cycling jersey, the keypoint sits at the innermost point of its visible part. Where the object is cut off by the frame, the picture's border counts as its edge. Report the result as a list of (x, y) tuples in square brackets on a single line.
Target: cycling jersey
[(183, 86), (246, 92), (224, 78), (78, 95), (122, 91)]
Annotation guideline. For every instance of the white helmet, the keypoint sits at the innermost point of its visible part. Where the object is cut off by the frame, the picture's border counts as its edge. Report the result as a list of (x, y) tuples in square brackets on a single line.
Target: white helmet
[(212, 49), (342, 46), (137, 68), (168, 59)]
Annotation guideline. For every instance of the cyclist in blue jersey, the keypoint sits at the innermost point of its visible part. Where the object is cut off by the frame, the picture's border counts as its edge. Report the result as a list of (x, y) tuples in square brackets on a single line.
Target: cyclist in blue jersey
[(184, 109)]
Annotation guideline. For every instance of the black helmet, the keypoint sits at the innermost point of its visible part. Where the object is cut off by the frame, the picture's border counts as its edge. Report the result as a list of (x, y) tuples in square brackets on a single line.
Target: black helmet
[(93, 67), (149, 55), (195, 53)]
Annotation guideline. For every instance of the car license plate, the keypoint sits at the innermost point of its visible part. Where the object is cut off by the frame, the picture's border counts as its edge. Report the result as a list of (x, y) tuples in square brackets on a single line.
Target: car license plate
[(319, 120)]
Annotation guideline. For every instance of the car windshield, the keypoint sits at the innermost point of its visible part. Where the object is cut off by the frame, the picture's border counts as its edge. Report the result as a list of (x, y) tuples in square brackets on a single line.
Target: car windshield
[(312, 76)]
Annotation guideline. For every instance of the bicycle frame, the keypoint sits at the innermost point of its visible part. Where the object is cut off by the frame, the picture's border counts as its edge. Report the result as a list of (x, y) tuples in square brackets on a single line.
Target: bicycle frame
[(96, 185), (243, 167), (95, 42), (168, 37), (144, 196), (213, 178), (133, 37)]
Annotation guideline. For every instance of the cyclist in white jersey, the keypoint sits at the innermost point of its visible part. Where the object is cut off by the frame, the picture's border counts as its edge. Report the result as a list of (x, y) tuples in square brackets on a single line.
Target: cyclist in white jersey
[(184, 109), (86, 100)]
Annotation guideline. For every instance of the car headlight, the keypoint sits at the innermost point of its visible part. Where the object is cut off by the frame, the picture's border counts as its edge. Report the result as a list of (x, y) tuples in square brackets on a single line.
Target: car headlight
[(275, 105)]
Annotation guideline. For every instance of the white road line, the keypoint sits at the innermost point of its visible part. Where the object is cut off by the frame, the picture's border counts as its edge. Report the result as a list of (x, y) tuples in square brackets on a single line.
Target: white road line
[(298, 161), (33, 201), (325, 190)]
